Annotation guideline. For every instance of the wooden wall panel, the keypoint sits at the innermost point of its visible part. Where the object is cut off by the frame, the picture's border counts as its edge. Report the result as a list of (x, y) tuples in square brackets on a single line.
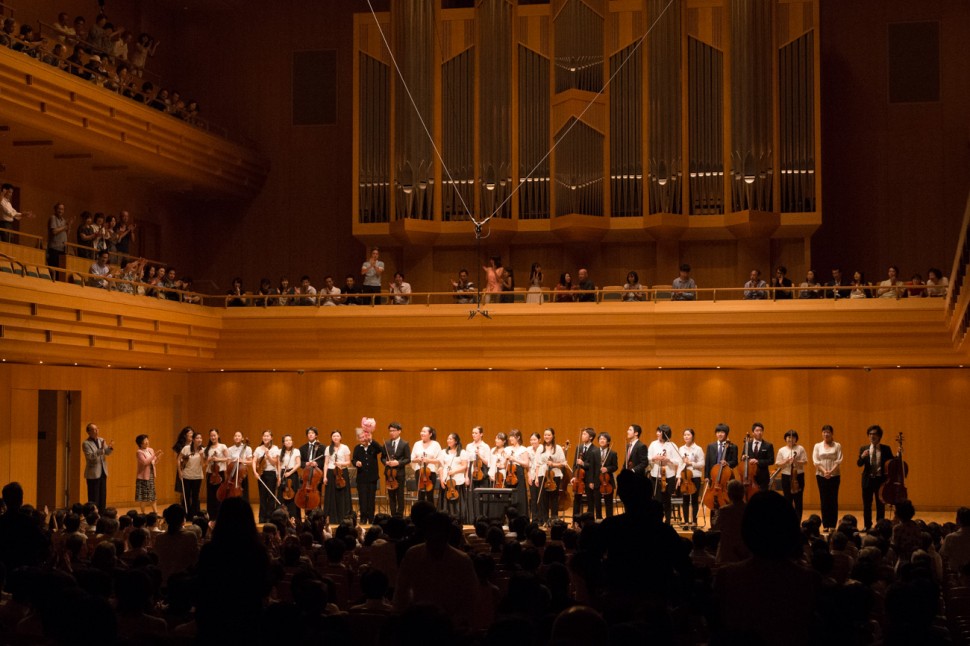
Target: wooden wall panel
[(929, 406)]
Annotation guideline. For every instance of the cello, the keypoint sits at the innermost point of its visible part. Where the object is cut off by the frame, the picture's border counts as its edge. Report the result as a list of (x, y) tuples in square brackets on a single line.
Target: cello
[(716, 495), (893, 489), (232, 482), (308, 497)]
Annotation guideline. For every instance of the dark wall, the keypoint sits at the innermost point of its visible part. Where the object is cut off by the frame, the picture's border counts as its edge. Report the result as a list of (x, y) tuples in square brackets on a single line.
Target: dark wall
[(896, 175)]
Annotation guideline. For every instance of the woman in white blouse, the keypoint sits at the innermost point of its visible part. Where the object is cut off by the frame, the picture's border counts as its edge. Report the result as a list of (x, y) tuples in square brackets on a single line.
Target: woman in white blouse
[(452, 465), (792, 459), (425, 453), (827, 458), (532, 470), (499, 462), (337, 499), (691, 457), (550, 459), (191, 470), (519, 462), (266, 459)]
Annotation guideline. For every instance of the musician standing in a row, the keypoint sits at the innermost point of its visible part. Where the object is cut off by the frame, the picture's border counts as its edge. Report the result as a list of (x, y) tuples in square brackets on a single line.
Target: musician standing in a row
[(95, 469), (425, 454), (532, 471), (215, 452), (763, 452), (290, 473), (605, 463), (873, 458), (191, 469), (691, 457), (311, 454), (721, 451), (664, 460), (367, 456), (479, 462), (585, 457), (637, 459), (792, 458), (266, 459), (453, 465), (549, 463), (337, 498), (240, 457), (397, 456), (827, 458), (519, 462)]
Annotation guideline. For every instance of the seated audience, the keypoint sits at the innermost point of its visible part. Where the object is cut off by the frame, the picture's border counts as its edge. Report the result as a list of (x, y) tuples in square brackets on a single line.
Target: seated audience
[(684, 281), (754, 289), (400, 290)]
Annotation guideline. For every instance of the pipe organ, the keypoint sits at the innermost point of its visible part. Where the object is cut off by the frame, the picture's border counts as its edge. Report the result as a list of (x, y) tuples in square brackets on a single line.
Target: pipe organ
[(587, 120)]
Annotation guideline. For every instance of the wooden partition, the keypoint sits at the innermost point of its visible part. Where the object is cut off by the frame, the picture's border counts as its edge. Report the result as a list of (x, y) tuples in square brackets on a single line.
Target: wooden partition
[(927, 405)]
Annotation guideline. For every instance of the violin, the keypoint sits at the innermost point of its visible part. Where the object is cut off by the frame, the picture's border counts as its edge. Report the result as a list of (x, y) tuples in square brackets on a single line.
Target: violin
[(606, 484), (477, 473), (795, 484), (231, 486), (390, 475), (511, 477), (288, 492), (579, 478), (894, 488), (499, 480), (424, 478), (687, 486), (339, 481), (308, 497), (451, 490), (215, 475)]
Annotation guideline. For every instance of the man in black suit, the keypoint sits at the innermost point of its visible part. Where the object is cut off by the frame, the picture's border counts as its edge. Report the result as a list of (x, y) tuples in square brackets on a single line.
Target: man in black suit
[(873, 458), (584, 460), (365, 458), (758, 449), (603, 460), (311, 455), (720, 451), (839, 282), (396, 456), (637, 458)]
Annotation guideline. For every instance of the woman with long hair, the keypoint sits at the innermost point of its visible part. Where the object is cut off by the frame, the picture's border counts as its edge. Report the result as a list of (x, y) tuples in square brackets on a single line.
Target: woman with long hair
[(216, 454), (191, 470), (425, 454), (183, 439), (519, 462), (452, 465), (266, 460), (290, 473), (532, 457), (565, 284), (336, 498), (534, 294), (550, 461)]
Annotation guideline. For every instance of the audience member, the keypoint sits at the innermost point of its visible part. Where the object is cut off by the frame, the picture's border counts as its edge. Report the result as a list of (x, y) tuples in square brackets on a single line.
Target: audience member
[(684, 281), (400, 290), (632, 289), (586, 285), (754, 289)]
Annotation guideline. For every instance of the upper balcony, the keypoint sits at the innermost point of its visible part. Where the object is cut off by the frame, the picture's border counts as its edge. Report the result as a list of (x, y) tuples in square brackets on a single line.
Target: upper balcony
[(43, 105)]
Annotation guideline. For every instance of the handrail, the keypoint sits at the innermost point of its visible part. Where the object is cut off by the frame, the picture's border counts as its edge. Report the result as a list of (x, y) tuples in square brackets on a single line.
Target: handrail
[(74, 248), (4, 8), (960, 259), (39, 242)]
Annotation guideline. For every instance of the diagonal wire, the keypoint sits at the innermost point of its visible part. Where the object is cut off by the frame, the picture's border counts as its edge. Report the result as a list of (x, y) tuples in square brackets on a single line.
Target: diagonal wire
[(478, 225)]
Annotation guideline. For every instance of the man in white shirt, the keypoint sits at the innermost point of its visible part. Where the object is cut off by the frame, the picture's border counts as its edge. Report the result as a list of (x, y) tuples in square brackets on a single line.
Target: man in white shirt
[(309, 292), (329, 293), (8, 214), (400, 290), (100, 268)]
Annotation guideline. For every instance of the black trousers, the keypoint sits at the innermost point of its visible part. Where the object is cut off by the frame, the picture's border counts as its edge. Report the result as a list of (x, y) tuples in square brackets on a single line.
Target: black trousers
[(267, 505), (366, 493), (692, 503), (54, 260), (663, 496), (794, 499), (868, 493), (599, 501), (98, 491), (395, 497), (549, 502), (828, 493), (192, 489), (211, 499)]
